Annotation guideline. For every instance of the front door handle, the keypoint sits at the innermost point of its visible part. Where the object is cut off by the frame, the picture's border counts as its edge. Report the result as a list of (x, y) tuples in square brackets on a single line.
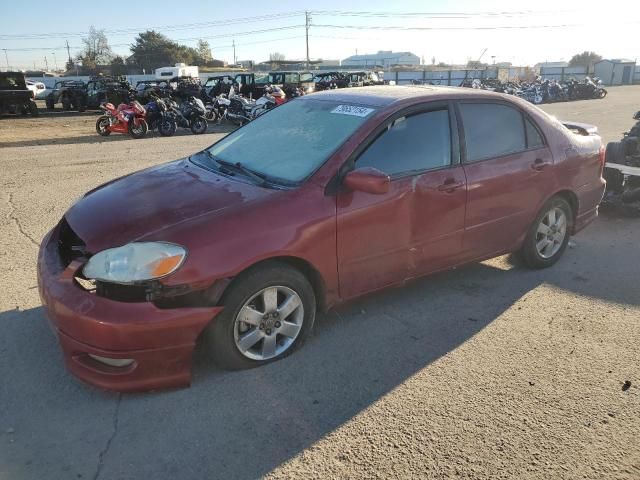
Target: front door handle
[(450, 186), (539, 165)]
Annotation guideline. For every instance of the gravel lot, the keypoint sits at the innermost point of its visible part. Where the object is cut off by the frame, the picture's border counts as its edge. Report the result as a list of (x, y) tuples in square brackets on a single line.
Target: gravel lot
[(490, 371)]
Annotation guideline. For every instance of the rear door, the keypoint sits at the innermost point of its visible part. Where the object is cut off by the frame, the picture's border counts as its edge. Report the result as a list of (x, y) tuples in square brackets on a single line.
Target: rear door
[(508, 170), (418, 225)]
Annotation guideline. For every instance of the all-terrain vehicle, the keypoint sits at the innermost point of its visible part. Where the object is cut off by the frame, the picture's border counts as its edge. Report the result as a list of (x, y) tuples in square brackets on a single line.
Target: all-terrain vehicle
[(364, 79), (294, 84), (15, 97), (72, 94), (107, 89), (215, 86), (622, 172)]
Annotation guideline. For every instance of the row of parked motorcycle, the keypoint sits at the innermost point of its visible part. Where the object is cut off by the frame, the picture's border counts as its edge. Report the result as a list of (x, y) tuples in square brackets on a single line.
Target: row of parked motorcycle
[(544, 90), (169, 110)]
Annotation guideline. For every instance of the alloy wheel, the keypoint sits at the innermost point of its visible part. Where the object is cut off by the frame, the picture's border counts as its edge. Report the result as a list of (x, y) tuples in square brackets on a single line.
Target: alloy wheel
[(551, 233), (268, 323)]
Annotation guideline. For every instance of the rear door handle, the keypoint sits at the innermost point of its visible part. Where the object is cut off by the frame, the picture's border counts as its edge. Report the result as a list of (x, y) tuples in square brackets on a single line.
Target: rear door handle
[(450, 186), (539, 165)]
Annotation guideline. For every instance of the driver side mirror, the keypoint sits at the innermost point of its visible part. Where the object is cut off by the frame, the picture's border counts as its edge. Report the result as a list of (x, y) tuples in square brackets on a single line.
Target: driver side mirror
[(368, 180)]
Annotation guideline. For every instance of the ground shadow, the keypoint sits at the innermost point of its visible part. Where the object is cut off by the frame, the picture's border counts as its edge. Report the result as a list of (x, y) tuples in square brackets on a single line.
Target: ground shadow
[(88, 139), (244, 424)]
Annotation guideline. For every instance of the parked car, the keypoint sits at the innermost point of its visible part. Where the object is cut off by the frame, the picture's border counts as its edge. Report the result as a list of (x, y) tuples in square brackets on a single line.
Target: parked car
[(240, 244), (15, 96), (72, 94), (36, 87)]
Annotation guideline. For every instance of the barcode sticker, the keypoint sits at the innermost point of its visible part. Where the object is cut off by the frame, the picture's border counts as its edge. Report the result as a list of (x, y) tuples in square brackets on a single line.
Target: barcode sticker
[(352, 110)]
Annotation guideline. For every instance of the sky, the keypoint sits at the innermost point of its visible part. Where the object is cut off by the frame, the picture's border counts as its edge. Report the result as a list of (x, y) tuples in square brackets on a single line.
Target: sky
[(523, 33)]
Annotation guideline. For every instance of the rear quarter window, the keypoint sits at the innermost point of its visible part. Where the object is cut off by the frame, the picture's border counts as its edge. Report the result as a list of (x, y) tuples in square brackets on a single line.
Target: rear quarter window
[(492, 130)]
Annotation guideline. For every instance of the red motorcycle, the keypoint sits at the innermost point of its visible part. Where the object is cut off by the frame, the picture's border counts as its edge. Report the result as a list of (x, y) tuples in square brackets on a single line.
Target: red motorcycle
[(127, 118)]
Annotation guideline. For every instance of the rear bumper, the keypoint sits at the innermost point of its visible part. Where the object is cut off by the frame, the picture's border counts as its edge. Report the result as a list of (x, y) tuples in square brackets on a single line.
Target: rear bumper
[(589, 200), (159, 341)]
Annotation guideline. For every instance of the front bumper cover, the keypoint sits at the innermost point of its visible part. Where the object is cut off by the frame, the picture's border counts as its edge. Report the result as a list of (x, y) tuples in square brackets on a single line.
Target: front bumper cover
[(160, 341)]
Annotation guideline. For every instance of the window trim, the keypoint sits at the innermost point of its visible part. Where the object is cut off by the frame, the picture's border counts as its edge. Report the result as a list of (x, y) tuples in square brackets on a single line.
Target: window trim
[(524, 115), (408, 112)]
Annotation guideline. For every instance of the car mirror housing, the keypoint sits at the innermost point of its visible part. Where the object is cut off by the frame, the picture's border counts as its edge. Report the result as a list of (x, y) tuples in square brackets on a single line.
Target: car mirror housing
[(368, 180)]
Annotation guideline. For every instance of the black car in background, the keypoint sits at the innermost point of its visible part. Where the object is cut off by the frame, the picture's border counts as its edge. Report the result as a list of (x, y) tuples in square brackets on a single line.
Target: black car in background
[(15, 97)]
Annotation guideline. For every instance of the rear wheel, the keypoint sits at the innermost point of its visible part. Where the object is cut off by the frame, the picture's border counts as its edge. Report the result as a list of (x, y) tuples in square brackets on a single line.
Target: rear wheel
[(167, 127), (268, 313), (50, 104), (102, 126), (548, 235), (66, 104), (33, 109), (138, 131)]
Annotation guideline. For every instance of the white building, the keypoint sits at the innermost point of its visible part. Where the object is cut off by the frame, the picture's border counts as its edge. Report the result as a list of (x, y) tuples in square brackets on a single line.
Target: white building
[(618, 71), (383, 59)]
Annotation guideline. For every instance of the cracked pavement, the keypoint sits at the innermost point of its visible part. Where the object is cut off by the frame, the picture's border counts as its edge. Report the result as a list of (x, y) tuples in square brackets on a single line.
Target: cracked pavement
[(489, 371)]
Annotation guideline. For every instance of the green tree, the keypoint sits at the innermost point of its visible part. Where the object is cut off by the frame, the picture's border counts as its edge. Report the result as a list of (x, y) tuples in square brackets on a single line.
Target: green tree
[(118, 66), (585, 59), (152, 50)]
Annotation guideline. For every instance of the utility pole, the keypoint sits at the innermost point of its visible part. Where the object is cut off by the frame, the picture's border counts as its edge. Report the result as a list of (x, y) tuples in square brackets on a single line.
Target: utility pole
[(55, 61), (46, 64), (233, 43), (6, 57), (68, 51), (307, 24)]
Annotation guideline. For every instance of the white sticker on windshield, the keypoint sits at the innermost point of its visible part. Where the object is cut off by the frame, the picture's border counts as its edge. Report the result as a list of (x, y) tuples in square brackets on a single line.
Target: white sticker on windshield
[(352, 110)]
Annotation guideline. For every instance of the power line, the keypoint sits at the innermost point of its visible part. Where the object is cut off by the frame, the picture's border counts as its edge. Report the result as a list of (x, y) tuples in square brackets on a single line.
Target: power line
[(403, 28)]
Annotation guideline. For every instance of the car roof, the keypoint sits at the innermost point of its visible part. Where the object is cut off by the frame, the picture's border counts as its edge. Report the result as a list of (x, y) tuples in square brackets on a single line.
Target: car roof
[(385, 95)]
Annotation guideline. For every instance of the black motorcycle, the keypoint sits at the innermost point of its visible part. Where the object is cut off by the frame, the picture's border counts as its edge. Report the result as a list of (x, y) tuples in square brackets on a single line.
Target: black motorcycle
[(586, 89), (190, 114), (159, 118)]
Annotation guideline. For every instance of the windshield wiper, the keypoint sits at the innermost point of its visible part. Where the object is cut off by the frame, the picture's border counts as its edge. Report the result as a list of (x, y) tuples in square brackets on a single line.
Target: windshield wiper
[(256, 177)]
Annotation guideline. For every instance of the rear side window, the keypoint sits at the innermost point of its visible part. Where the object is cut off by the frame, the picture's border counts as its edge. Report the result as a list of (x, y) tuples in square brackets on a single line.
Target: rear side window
[(411, 144), (534, 139), (492, 130)]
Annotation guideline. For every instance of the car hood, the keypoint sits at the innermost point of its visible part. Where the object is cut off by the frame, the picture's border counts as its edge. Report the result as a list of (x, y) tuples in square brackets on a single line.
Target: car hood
[(146, 202)]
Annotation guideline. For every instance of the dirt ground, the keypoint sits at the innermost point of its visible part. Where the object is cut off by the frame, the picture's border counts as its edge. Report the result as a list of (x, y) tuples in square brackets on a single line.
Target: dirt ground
[(489, 371)]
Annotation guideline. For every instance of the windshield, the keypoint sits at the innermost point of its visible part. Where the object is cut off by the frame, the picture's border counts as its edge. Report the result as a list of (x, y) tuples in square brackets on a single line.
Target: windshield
[(293, 140)]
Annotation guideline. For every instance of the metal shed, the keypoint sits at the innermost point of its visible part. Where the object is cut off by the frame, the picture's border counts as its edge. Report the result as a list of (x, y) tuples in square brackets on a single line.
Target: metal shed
[(618, 71)]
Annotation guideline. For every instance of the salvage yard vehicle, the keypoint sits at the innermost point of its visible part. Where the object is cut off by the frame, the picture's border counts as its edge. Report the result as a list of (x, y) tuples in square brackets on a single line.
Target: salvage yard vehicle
[(128, 118), (293, 84), (237, 246), (107, 89), (15, 96), (72, 94), (622, 172), (364, 78), (215, 86), (330, 80)]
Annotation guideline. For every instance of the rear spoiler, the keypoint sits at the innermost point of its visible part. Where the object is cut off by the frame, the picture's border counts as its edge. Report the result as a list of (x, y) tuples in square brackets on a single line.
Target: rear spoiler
[(581, 128)]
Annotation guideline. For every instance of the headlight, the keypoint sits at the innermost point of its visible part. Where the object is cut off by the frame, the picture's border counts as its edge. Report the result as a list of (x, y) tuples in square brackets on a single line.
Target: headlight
[(135, 262)]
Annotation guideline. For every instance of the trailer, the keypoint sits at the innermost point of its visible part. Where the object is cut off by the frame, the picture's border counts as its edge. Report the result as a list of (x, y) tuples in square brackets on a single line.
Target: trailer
[(180, 70)]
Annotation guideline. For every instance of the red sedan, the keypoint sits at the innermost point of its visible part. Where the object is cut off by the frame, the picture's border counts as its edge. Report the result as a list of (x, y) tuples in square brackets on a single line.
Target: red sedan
[(326, 198)]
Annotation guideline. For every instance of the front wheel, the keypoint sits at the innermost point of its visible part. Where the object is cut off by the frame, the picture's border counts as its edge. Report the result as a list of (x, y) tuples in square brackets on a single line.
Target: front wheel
[(199, 125), (268, 314), (548, 235), (102, 126), (138, 131), (33, 108), (601, 93), (167, 127)]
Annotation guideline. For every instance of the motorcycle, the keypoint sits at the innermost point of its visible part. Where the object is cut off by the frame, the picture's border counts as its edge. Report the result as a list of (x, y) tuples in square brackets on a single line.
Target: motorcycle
[(586, 89), (239, 110), (531, 94), (622, 172), (157, 115), (128, 118), (191, 114)]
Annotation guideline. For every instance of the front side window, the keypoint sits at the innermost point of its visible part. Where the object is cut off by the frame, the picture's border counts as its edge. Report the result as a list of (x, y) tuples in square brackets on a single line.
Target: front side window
[(411, 144), (292, 141), (492, 130)]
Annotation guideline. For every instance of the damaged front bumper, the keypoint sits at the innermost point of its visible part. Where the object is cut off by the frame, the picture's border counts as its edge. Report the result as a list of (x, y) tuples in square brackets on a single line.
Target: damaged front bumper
[(121, 346)]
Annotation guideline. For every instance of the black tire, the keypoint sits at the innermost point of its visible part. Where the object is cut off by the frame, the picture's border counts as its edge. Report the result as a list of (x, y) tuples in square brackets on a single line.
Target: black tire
[(219, 336), (50, 104), (601, 93), (167, 127), (82, 107), (199, 125), (66, 104), (101, 123), (33, 109), (140, 131), (529, 252), (615, 153)]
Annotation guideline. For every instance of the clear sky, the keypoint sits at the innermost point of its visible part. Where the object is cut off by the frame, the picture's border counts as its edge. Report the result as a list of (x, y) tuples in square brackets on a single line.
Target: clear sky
[(455, 36)]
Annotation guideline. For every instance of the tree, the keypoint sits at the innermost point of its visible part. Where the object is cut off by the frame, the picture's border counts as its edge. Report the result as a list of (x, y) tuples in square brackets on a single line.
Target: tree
[(152, 50), (95, 51), (70, 65), (276, 57), (204, 52), (118, 66), (584, 59)]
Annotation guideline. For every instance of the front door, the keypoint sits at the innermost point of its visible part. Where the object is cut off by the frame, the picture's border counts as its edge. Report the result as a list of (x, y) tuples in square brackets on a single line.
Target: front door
[(508, 171), (418, 225)]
